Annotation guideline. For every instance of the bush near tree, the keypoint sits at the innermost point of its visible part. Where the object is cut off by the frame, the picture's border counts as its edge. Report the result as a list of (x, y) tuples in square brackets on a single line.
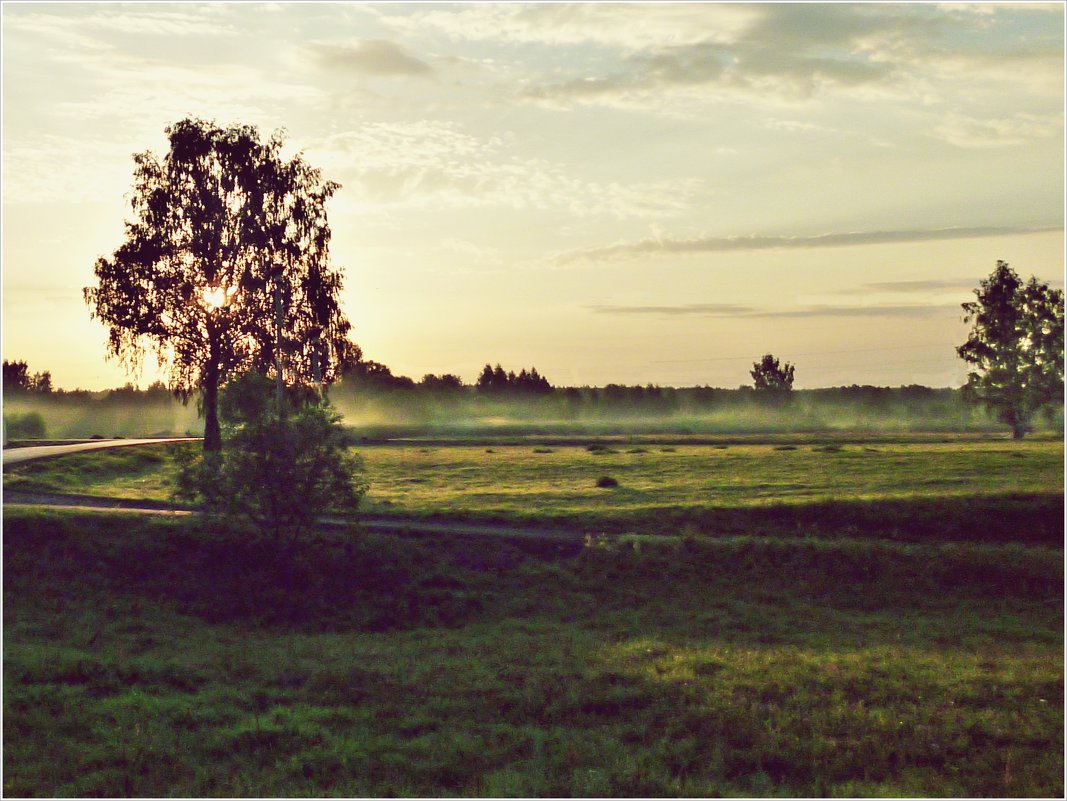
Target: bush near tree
[(29, 425), (281, 468)]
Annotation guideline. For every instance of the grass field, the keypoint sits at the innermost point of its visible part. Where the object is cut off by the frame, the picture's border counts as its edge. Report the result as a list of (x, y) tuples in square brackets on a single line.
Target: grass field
[(151, 659), (873, 618), (955, 489)]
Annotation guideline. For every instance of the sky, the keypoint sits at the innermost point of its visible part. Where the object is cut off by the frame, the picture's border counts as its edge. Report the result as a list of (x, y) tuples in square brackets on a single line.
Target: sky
[(612, 193)]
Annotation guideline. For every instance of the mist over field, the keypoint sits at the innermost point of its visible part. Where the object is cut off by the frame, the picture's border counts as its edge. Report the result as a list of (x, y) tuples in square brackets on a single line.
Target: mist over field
[(107, 417), (375, 413)]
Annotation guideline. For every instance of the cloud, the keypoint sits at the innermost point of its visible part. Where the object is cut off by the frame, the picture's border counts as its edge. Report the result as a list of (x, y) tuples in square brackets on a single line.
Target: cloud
[(780, 51), (662, 246), (911, 311), (430, 162), (66, 169), (47, 293), (678, 55), (984, 132), (688, 309), (374, 57), (105, 66), (761, 71), (627, 26), (903, 287), (76, 27), (930, 285)]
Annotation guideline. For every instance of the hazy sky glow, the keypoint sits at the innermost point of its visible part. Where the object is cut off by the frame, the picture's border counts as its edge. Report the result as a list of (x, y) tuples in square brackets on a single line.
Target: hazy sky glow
[(612, 193)]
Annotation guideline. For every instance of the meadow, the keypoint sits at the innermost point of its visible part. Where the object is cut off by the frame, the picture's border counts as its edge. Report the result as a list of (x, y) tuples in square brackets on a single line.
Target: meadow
[(806, 617), (897, 487)]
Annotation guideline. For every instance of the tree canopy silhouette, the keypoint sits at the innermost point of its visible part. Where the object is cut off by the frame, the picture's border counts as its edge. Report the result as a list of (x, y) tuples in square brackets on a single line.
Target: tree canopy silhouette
[(225, 263), (768, 375), (494, 381), (17, 378), (1015, 348)]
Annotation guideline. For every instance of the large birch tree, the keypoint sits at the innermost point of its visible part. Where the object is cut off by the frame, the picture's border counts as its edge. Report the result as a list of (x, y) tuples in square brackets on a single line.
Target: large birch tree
[(224, 268)]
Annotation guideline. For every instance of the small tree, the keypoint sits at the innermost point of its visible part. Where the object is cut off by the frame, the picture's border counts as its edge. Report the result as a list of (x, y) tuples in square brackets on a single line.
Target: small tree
[(1015, 348), (281, 468), (771, 377)]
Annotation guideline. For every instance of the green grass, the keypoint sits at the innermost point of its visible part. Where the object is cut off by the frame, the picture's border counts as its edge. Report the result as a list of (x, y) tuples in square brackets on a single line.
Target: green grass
[(855, 617), (142, 472), (960, 489), (731, 490), (154, 658), (527, 480), (514, 479)]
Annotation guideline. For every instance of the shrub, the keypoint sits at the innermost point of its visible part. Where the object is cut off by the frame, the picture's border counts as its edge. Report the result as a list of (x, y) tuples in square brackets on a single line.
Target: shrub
[(30, 424), (597, 449), (279, 469), (606, 482)]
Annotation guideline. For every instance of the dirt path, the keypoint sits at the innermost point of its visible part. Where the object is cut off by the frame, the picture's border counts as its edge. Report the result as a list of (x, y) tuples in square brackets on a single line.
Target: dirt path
[(378, 523), (25, 454)]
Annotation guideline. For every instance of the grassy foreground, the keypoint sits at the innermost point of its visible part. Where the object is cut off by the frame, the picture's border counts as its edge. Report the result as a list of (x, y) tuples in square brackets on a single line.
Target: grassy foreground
[(147, 657)]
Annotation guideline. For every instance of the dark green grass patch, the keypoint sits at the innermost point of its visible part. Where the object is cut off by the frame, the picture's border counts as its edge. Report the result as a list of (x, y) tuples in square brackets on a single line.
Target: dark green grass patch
[(221, 575), (154, 658), (1026, 518)]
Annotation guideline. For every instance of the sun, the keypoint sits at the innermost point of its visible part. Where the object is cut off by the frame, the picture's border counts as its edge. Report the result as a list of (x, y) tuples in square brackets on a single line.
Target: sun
[(216, 297)]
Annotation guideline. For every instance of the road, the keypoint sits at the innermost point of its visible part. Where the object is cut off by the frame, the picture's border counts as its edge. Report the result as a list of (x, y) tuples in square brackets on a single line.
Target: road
[(379, 523), (17, 455)]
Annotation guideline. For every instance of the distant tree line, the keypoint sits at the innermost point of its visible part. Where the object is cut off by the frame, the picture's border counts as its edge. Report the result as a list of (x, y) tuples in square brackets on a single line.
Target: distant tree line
[(367, 377), (374, 377), (20, 383), (494, 381), (17, 378)]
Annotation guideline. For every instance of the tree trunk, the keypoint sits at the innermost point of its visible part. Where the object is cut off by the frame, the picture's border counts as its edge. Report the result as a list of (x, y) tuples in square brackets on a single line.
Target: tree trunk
[(212, 434)]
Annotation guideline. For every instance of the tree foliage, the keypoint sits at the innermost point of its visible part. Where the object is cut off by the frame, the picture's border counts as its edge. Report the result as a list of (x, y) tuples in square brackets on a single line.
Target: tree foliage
[(375, 377), (17, 378), (1015, 348), (494, 381), (446, 382), (28, 425), (768, 375), (223, 226)]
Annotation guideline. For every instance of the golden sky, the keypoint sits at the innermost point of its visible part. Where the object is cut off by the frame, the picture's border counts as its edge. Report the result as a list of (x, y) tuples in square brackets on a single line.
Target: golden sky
[(611, 193)]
